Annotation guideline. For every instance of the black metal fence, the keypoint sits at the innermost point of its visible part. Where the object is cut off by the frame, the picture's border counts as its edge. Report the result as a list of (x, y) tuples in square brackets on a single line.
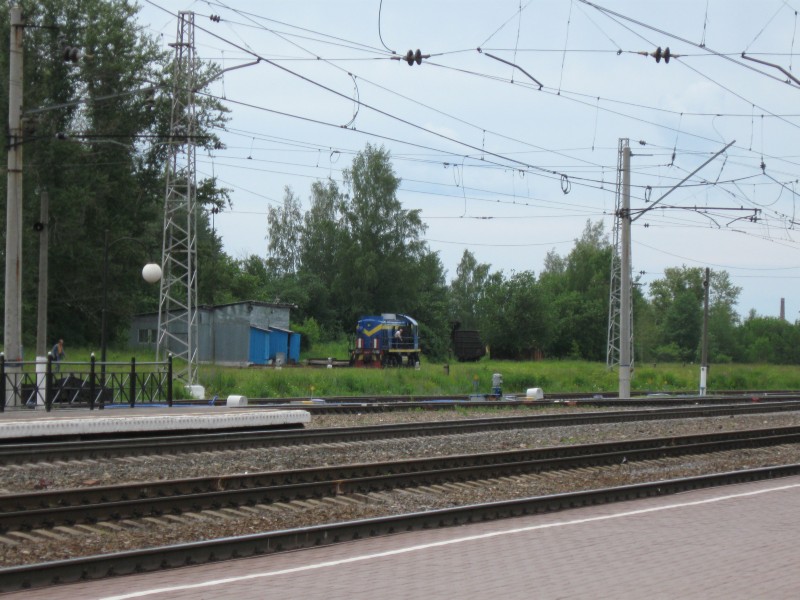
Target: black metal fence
[(92, 384)]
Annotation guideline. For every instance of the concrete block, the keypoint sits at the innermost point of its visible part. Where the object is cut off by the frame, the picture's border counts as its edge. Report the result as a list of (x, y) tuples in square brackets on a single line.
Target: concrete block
[(534, 394), (236, 401)]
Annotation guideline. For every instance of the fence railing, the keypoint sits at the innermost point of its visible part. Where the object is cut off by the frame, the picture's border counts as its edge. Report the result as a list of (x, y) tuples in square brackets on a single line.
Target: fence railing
[(52, 384)]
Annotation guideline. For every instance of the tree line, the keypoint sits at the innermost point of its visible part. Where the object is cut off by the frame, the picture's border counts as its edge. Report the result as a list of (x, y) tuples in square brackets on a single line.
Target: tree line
[(97, 140), (357, 251)]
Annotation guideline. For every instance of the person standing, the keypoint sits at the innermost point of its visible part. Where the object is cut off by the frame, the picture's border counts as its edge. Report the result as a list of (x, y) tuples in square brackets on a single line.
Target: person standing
[(58, 354)]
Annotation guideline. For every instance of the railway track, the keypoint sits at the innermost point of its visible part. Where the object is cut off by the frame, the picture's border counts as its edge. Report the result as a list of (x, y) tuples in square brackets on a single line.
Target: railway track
[(92, 505), (47, 450), (361, 404), (283, 539), (296, 496)]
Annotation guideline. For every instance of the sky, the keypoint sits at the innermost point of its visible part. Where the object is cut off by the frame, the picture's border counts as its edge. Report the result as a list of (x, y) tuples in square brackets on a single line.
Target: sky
[(507, 135)]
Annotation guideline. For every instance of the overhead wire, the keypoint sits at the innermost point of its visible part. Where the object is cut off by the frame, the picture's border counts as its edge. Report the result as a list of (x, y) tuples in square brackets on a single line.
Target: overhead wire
[(559, 91), (522, 163)]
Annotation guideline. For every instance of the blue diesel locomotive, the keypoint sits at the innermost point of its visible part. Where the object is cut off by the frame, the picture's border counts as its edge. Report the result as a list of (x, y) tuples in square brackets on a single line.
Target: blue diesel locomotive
[(388, 340)]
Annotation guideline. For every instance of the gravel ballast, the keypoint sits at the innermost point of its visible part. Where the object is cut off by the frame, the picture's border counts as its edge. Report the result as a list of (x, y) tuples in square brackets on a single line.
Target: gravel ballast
[(63, 543)]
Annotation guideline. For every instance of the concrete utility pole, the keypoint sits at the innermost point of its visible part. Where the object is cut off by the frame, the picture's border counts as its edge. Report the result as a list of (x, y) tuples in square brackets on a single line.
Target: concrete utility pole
[(625, 219), (625, 280), (704, 358), (612, 351), (44, 245), (12, 332)]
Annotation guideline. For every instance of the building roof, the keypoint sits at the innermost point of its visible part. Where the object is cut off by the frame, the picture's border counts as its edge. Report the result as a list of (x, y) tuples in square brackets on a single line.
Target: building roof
[(211, 307)]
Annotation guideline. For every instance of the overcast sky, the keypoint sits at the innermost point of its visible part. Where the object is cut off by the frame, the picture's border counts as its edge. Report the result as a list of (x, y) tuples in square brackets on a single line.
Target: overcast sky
[(507, 136)]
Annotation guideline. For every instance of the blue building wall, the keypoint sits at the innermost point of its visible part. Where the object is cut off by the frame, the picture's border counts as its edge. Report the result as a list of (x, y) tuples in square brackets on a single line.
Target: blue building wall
[(259, 346)]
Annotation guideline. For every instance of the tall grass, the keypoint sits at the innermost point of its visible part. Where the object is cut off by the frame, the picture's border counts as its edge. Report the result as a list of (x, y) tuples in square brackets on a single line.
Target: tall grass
[(468, 378), (464, 378)]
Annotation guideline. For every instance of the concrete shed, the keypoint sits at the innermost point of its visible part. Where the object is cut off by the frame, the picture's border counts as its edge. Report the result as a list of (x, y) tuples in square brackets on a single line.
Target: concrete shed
[(238, 333)]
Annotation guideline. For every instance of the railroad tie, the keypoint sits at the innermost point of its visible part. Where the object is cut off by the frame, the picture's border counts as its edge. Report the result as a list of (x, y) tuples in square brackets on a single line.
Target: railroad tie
[(234, 512), (67, 530), (267, 508), (22, 536), (89, 529), (46, 533), (439, 488), (348, 500), (131, 524), (460, 486), (251, 510), (382, 496), (217, 513), (112, 527), (175, 519), (195, 516), (475, 485), (410, 491), (338, 501), (159, 522), (285, 506)]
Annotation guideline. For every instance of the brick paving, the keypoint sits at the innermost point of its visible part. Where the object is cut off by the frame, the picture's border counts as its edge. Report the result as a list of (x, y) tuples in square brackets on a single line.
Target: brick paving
[(725, 543)]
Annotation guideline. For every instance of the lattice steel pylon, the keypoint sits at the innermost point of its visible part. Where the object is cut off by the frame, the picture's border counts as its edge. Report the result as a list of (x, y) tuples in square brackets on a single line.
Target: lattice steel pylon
[(615, 288), (177, 308)]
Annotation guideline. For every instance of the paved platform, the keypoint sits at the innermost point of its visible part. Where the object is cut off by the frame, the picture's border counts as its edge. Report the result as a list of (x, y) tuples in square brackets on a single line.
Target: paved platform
[(71, 422), (732, 542)]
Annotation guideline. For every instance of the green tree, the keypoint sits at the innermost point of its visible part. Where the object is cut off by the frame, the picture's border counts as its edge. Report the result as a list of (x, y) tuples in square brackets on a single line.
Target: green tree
[(722, 318), (92, 142), (361, 253), (285, 229), (578, 287), (515, 316), (467, 289), (320, 257), (769, 340), (383, 245), (428, 304), (678, 310)]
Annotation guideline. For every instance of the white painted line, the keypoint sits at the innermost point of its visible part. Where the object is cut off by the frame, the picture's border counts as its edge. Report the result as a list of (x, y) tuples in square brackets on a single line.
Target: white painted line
[(471, 538)]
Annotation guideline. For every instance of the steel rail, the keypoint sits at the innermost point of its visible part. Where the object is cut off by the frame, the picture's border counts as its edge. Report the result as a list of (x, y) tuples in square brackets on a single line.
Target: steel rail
[(23, 512), (14, 452), (356, 404), (180, 555)]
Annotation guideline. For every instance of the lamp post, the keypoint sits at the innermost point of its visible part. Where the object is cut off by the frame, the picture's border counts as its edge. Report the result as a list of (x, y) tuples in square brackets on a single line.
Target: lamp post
[(150, 273)]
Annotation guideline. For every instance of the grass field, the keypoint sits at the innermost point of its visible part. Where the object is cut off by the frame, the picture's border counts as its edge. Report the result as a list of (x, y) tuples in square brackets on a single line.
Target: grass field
[(467, 378)]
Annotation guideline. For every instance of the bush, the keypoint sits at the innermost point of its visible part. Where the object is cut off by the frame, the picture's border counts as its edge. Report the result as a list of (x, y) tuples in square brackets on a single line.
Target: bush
[(310, 333), (669, 353)]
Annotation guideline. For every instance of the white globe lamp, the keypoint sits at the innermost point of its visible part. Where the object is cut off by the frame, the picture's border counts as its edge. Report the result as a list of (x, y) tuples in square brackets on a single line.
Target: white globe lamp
[(151, 272)]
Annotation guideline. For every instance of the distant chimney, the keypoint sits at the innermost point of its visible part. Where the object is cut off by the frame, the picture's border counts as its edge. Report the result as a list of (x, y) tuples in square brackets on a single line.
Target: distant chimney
[(783, 309)]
